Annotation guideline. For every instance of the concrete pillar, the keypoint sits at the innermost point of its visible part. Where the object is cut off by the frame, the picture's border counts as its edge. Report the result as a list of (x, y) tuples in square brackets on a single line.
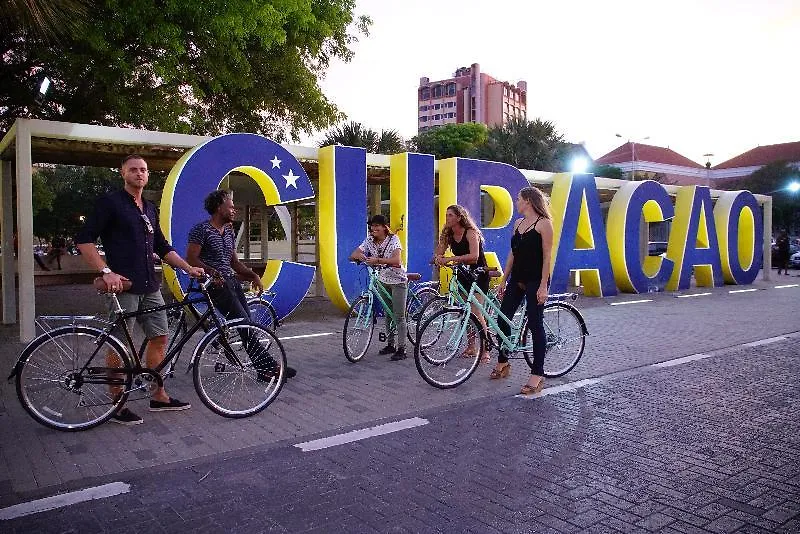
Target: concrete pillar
[(27, 300), (766, 271), (246, 231), (7, 244), (374, 195), (264, 233)]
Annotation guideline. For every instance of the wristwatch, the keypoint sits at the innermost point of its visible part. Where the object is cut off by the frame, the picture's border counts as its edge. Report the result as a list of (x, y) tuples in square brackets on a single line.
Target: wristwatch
[(105, 270)]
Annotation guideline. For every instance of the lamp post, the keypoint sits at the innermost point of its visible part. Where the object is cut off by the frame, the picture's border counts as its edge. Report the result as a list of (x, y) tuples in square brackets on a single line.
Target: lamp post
[(633, 153), (708, 168)]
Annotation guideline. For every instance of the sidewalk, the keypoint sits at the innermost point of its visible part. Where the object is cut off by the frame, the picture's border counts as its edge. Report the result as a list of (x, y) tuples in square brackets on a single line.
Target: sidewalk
[(329, 393)]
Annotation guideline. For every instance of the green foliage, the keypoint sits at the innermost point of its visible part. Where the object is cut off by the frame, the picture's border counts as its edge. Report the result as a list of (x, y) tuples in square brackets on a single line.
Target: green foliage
[(356, 134), (70, 193), (772, 179), (607, 171), (206, 67), (525, 144), (451, 140)]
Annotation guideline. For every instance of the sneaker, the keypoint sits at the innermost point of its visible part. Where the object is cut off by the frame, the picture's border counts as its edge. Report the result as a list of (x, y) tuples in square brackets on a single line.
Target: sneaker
[(388, 349), (173, 405), (126, 417), (400, 354)]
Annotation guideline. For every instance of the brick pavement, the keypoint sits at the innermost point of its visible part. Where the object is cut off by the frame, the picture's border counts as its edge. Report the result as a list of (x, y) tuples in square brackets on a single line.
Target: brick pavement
[(707, 446), (330, 393)]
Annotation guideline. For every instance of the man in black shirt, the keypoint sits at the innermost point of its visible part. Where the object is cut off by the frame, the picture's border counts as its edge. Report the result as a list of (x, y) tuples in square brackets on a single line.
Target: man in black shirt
[(128, 226), (212, 245)]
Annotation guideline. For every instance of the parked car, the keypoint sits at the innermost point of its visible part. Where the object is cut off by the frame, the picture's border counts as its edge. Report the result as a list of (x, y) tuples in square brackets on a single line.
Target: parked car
[(793, 249), (656, 248), (794, 260)]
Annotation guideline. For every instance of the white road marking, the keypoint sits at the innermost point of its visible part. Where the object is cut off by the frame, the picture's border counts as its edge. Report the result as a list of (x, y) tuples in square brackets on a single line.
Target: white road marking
[(631, 302), (764, 341), (692, 295), (787, 285), (307, 335), (679, 361), (742, 290), (65, 499), (364, 433)]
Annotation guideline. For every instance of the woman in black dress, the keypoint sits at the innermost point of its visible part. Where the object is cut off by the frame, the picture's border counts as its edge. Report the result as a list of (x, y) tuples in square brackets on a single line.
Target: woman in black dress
[(465, 240), (527, 271)]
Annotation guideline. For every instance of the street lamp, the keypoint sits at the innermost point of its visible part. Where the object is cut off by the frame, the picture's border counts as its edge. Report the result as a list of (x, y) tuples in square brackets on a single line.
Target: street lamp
[(791, 187), (579, 165), (633, 153), (708, 168)]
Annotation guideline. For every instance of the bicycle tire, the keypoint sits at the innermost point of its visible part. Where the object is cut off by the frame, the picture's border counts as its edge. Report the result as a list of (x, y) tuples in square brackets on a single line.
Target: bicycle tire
[(53, 390), (431, 307), (566, 339), (263, 313), (441, 357), (231, 385), (414, 307), (360, 322)]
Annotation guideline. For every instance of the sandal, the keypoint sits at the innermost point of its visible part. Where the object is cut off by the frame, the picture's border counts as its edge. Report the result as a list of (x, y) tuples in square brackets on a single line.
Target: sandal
[(528, 389), (469, 353), (504, 371)]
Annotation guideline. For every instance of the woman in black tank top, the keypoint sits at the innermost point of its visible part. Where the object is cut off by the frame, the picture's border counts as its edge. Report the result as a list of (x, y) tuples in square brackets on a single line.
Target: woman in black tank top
[(464, 239), (527, 272)]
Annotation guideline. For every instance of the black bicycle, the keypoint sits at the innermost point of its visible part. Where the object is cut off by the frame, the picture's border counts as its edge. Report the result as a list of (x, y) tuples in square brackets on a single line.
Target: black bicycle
[(76, 377)]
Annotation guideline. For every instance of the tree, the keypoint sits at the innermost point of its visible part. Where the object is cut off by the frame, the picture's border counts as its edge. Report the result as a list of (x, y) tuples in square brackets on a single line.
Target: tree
[(356, 134), (607, 171), (49, 19), (772, 180), (525, 144), (451, 140), (205, 67)]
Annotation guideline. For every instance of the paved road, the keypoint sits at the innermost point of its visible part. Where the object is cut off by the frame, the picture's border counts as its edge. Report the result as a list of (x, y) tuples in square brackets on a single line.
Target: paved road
[(710, 445), (330, 395)]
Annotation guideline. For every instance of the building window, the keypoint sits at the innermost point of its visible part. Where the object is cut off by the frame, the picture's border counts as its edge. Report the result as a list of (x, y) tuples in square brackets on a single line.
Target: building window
[(423, 108), (451, 89), (437, 117), (437, 91), (425, 93), (437, 106), (424, 118)]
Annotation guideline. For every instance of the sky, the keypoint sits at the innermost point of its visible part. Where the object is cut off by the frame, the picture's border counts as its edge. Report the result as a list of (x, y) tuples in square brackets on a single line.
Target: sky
[(697, 76)]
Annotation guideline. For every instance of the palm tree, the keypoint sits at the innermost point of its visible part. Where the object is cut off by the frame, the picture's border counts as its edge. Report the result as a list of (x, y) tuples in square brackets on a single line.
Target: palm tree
[(525, 145), (356, 134), (46, 18)]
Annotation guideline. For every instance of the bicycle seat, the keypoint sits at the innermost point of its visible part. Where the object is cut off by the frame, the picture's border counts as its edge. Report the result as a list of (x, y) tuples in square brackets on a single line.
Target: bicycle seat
[(101, 286), (412, 277)]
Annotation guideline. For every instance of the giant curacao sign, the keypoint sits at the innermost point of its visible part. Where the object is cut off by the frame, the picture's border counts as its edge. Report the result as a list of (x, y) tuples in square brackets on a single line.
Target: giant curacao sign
[(718, 243)]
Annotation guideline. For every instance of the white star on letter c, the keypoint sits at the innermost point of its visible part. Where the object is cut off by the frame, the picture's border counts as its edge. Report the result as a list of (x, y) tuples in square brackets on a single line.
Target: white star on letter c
[(276, 163), (291, 179)]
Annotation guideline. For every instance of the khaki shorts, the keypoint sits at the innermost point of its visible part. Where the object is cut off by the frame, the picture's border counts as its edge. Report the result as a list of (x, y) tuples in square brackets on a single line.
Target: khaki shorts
[(154, 324)]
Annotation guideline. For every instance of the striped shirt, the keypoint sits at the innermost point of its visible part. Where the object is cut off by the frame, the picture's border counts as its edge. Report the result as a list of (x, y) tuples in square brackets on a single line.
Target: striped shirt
[(215, 248)]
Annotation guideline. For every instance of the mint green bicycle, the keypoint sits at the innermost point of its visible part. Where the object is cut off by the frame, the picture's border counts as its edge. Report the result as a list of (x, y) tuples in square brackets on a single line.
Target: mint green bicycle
[(441, 354), (375, 302)]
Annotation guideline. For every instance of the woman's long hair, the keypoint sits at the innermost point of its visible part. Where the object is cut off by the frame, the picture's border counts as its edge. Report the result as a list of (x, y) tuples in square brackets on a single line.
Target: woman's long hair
[(537, 201), (465, 220)]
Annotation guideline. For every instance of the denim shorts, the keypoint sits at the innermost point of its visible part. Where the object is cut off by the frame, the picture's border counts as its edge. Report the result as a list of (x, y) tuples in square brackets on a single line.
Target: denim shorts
[(154, 324)]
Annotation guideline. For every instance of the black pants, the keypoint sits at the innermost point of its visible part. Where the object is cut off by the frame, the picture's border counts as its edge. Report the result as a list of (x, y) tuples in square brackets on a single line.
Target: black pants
[(229, 299), (511, 301)]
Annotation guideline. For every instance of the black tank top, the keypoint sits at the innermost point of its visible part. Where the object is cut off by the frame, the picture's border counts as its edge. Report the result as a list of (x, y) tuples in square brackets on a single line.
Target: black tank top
[(461, 248), (528, 255)]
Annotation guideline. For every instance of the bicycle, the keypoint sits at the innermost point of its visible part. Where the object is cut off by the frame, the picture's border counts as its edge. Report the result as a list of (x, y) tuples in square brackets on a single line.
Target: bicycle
[(375, 301), (60, 386), (440, 355)]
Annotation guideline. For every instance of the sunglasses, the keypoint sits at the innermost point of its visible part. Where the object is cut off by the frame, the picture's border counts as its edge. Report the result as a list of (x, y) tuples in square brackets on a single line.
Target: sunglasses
[(147, 224)]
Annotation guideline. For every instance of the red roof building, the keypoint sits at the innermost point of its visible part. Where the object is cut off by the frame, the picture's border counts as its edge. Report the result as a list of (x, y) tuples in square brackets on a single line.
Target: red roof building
[(669, 167)]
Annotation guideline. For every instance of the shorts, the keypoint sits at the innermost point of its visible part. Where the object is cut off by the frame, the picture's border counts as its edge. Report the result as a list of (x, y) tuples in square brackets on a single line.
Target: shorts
[(154, 324)]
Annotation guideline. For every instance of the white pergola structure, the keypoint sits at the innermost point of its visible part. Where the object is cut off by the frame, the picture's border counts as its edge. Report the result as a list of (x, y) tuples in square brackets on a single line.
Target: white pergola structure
[(32, 141)]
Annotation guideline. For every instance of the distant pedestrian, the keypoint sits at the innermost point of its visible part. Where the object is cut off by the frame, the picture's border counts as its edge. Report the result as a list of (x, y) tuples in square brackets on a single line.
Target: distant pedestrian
[(782, 257)]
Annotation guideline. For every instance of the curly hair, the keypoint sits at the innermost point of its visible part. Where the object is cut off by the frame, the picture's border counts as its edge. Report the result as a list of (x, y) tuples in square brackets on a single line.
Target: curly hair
[(464, 219), (215, 199)]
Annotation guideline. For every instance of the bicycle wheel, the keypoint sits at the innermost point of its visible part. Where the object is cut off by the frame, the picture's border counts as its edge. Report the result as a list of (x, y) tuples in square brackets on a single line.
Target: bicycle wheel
[(433, 306), (55, 387), (263, 313), (242, 378), (358, 329), (566, 337), (441, 355), (415, 304)]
